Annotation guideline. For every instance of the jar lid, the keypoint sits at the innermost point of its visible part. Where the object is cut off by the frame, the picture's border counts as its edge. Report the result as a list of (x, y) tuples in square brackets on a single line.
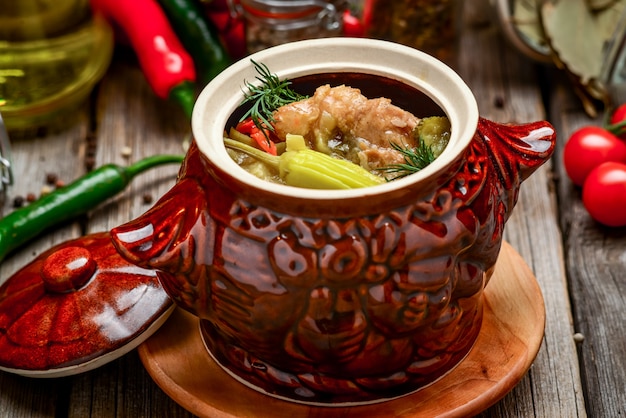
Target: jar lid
[(290, 14), (77, 306)]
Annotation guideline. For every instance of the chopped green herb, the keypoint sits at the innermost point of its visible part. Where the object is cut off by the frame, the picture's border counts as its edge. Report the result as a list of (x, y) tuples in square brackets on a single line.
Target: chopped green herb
[(415, 159), (432, 135), (266, 98)]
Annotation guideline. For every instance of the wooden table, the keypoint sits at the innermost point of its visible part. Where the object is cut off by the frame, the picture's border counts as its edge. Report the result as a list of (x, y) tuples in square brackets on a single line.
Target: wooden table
[(580, 266)]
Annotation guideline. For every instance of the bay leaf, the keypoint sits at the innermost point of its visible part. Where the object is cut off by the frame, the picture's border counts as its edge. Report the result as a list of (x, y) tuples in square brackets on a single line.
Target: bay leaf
[(598, 5), (577, 36)]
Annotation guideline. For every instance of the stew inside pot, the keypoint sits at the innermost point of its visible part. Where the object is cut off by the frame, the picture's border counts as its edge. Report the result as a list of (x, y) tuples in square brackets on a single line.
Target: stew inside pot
[(334, 137)]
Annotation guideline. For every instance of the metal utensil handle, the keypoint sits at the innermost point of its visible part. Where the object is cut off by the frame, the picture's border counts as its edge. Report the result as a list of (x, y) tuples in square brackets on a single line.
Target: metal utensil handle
[(6, 173)]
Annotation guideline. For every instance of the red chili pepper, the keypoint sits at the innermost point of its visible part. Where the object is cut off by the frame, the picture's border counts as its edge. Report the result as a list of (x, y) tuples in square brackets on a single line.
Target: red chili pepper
[(165, 63), (264, 142), (246, 126), (352, 26), (260, 136), (366, 15)]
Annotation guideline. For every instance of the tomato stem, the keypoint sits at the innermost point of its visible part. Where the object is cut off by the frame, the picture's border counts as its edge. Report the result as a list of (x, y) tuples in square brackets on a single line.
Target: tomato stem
[(616, 128)]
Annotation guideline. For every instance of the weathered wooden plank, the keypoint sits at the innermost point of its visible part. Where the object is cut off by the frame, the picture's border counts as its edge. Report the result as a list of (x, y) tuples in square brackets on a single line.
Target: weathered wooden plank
[(94, 394), (25, 397), (122, 388), (501, 82), (136, 380), (596, 266)]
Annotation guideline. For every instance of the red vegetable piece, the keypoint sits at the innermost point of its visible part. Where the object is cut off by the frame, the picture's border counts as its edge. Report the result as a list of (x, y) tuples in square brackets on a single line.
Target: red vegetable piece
[(264, 142), (260, 136), (162, 57), (246, 126)]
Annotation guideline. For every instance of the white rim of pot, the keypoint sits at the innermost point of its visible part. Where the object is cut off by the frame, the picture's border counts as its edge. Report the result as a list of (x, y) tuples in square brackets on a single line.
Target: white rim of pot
[(219, 99)]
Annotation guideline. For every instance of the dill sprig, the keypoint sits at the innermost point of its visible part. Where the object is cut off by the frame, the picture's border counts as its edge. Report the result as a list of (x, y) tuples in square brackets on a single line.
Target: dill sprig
[(415, 159), (266, 98)]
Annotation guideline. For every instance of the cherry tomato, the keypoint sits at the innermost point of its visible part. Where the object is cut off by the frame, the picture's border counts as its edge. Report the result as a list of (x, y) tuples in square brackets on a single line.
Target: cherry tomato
[(617, 118), (587, 148), (604, 194)]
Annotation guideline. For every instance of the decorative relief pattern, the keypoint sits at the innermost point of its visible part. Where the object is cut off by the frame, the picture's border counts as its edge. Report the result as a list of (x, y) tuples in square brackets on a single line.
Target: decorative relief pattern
[(338, 310)]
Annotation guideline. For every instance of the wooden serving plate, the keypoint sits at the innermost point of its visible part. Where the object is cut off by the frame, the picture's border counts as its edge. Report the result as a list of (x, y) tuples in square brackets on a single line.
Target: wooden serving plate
[(509, 340)]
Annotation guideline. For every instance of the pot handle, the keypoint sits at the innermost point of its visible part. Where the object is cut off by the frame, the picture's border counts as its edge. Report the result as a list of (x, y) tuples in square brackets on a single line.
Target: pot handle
[(516, 151), (158, 238)]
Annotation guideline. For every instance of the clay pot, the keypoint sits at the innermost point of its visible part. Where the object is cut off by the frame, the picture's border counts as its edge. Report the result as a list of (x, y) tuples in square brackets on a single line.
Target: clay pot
[(339, 297)]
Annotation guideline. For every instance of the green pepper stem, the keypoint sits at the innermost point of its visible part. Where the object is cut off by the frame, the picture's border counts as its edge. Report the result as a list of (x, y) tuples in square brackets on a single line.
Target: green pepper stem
[(185, 95), (149, 162), (271, 160), (616, 129)]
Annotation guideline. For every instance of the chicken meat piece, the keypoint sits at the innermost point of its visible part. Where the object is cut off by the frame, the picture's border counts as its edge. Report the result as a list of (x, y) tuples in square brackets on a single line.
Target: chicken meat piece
[(341, 120)]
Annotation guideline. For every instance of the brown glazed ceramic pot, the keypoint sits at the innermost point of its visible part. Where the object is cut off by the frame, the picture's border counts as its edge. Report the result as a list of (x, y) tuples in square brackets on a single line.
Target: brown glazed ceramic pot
[(339, 297)]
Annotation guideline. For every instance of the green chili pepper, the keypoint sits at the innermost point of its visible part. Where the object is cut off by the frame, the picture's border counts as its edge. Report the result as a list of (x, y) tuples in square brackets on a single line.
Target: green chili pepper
[(303, 167), (72, 200), (315, 170), (199, 36)]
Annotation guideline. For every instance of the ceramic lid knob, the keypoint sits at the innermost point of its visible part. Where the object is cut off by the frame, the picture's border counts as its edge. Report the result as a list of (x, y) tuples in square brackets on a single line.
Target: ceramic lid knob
[(67, 269)]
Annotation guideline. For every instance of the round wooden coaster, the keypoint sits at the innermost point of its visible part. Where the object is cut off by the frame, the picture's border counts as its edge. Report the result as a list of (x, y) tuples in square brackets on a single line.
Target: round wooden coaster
[(509, 340)]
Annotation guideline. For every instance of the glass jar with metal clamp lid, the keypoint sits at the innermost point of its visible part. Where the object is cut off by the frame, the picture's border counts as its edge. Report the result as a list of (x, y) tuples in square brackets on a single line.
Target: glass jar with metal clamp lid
[(273, 22), (6, 173)]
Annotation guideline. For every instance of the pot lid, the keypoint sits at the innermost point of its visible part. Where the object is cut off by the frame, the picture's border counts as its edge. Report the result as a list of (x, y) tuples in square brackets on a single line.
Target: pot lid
[(76, 307)]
